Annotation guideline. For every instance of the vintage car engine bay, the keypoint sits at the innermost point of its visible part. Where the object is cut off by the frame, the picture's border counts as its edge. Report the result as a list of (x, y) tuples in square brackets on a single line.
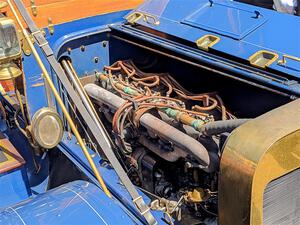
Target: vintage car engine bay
[(169, 117), (166, 114), (169, 139), (170, 121), (170, 113)]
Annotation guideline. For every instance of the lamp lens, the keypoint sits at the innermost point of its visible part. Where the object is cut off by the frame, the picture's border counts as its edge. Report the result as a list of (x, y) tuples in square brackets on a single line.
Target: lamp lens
[(9, 43), (49, 131)]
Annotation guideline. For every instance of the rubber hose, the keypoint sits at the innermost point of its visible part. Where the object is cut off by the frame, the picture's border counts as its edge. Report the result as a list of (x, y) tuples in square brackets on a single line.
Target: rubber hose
[(218, 127)]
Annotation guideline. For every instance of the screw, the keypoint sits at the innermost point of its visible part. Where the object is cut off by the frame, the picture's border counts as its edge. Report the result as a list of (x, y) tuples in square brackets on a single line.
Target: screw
[(104, 44)]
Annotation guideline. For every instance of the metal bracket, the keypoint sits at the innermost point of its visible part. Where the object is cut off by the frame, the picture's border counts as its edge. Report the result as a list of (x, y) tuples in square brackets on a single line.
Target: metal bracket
[(283, 61), (50, 26), (263, 58), (33, 8), (144, 210), (24, 44), (207, 41), (135, 16), (151, 19)]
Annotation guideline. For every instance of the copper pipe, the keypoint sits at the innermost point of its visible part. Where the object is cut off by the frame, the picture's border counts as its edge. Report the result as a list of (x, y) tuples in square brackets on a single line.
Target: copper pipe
[(208, 160)]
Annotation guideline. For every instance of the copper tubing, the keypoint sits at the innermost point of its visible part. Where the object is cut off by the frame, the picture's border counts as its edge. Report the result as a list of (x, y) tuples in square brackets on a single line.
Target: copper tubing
[(119, 88), (223, 109), (182, 115), (209, 161), (166, 77), (209, 102), (205, 98), (131, 74)]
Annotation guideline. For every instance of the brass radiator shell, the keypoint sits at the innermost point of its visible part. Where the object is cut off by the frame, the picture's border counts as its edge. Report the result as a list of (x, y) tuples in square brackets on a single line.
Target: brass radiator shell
[(256, 153)]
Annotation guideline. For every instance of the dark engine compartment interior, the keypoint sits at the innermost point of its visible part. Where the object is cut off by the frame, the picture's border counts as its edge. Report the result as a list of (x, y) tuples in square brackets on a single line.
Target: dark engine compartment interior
[(189, 189), (243, 100)]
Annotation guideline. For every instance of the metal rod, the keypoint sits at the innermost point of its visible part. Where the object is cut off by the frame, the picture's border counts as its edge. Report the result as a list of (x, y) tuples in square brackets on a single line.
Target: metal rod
[(85, 99), (60, 102)]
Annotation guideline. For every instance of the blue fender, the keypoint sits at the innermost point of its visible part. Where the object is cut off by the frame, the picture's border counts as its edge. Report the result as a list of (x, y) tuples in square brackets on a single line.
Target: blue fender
[(78, 202)]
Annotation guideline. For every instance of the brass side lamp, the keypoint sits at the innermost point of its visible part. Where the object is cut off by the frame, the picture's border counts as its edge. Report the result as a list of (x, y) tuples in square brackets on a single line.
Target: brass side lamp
[(10, 50)]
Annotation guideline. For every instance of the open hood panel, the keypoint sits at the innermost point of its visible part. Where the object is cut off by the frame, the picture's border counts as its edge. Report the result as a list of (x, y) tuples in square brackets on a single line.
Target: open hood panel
[(252, 35)]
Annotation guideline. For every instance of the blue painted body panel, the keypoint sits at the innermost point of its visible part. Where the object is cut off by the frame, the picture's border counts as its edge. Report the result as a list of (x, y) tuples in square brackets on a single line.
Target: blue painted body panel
[(36, 97), (101, 35), (13, 187), (240, 23), (277, 32), (78, 202), (93, 50), (36, 182)]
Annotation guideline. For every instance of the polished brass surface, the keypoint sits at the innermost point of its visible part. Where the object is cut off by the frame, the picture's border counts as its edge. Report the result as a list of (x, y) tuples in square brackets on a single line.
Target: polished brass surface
[(256, 153), (283, 61), (52, 130), (207, 41), (151, 19), (133, 17), (9, 71), (263, 59), (3, 5), (50, 26), (196, 196), (33, 8), (24, 44)]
